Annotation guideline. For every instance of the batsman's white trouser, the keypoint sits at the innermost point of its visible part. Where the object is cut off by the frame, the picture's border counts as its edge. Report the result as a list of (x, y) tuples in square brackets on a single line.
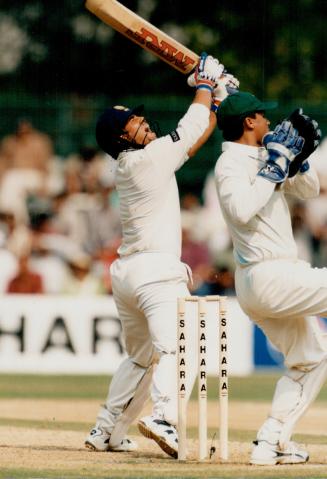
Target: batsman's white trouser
[(145, 288), (128, 392), (134, 394), (284, 298)]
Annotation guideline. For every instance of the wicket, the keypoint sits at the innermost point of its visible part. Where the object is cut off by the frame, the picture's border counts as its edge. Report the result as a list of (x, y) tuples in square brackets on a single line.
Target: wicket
[(202, 375)]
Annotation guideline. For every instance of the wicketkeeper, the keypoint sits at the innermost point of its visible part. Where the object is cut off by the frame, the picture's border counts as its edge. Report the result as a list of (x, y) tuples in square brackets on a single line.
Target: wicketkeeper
[(282, 294)]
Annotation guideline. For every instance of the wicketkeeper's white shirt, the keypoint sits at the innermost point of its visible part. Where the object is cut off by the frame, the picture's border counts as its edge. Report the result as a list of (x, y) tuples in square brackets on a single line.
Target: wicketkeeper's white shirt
[(147, 188), (254, 208)]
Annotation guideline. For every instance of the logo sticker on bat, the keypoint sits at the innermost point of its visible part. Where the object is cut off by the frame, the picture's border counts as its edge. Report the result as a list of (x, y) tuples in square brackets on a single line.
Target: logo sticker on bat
[(162, 48)]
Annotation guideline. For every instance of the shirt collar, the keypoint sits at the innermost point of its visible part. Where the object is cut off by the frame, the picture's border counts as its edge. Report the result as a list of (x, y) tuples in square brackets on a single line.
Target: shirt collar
[(256, 152)]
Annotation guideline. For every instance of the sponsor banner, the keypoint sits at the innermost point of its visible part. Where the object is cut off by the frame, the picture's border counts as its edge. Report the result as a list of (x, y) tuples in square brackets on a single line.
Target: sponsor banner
[(64, 334)]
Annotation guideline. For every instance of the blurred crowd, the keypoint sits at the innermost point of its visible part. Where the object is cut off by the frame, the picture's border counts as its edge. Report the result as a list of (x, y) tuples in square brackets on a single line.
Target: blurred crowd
[(60, 226)]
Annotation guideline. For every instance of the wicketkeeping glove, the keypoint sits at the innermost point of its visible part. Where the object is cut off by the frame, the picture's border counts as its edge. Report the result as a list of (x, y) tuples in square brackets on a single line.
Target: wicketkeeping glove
[(309, 130), (283, 145)]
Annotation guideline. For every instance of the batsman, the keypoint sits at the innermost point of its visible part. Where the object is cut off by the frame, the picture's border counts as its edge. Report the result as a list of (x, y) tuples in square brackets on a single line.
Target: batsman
[(148, 277)]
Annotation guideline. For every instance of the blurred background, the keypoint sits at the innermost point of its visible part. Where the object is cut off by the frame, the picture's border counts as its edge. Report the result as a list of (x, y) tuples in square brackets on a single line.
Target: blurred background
[(60, 66)]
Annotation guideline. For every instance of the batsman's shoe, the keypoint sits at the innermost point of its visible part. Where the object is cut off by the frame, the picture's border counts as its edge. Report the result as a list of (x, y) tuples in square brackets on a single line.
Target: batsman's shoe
[(98, 440), (266, 454), (163, 433), (126, 445)]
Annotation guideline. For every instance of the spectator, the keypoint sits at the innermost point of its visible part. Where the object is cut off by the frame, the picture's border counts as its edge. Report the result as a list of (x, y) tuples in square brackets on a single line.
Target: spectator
[(221, 281), (87, 163), (218, 237), (205, 223), (72, 206), (196, 255), (27, 148), (104, 227), (26, 159), (9, 267), (82, 280), (317, 222), (103, 223), (48, 264), (25, 281)]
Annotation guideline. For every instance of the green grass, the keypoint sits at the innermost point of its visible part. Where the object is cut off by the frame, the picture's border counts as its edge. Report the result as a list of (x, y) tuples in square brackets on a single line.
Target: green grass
[(192, 432), (224, 473), (144, 473), (46, 424), (187, 471), (257, 387), (53, 386)]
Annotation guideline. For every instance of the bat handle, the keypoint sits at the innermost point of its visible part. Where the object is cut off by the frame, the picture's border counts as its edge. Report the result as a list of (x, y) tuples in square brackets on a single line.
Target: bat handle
[(231, 90)]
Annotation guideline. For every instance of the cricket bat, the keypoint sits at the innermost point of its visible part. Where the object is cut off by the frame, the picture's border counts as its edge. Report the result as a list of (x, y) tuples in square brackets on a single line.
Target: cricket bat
[(145, 34)]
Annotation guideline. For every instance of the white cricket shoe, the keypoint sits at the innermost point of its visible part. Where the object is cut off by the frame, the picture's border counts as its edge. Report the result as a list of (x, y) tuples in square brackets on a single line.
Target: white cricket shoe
[(98, 440), (163, 433), (266, 454)]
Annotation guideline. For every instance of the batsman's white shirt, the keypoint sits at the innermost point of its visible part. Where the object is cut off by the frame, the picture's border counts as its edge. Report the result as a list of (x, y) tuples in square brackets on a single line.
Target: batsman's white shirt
[(278, 291), (147, 188)]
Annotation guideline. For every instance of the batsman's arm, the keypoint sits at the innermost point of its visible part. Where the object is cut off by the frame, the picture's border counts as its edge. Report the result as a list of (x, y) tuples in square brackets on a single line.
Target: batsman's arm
[(205, 79), (206, 135)]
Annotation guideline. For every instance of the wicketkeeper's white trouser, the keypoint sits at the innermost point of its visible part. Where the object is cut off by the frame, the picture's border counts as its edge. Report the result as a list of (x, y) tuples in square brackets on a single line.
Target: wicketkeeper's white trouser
[(284, 298)]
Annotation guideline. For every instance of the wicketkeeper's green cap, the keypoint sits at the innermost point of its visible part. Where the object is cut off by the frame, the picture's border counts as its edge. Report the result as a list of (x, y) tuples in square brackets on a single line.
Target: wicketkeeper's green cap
[(238, 104)]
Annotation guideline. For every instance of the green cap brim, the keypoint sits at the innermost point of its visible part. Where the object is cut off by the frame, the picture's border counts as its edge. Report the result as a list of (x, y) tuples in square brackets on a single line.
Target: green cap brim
[(269, 105)]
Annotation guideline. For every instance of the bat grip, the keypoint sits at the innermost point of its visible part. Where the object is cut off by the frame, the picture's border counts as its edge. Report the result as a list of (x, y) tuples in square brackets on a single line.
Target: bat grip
[(231, 90)]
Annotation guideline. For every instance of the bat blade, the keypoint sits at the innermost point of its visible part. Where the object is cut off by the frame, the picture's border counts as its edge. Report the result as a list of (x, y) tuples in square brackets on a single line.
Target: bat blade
[(143, 33)]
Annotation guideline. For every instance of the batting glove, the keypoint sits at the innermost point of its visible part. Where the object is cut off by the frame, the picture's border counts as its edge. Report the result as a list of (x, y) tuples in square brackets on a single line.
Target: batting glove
[(227, 85), (283, 145), (310, 131), (208, 70)]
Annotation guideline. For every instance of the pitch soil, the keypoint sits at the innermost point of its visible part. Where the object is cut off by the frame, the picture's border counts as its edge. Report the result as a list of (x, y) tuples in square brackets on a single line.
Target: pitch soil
[(59, 451)]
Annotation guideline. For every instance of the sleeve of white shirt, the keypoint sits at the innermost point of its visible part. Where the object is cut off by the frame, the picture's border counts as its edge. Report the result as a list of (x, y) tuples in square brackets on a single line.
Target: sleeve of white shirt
[(170, 151), (240, 196), (304, 185)]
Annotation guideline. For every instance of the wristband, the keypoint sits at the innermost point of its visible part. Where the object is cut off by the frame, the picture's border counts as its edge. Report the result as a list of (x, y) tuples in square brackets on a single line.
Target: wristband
[(204, 86), (215, 105)]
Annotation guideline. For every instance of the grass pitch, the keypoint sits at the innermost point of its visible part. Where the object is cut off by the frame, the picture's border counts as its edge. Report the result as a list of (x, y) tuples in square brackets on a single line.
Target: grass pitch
[(257, 387), (44, 419)]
